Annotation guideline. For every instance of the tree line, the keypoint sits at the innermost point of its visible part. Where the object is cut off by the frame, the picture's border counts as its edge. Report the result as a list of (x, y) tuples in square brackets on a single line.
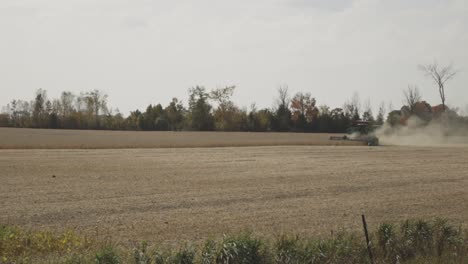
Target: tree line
[(206, 111), (215, 111)]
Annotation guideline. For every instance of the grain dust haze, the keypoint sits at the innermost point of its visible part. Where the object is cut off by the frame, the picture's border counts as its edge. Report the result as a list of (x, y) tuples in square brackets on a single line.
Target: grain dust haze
[(416, 133)]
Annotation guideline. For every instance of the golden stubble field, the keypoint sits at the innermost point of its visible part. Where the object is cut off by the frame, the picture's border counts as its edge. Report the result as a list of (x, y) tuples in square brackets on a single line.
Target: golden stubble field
[(13, 138), (176, 194)]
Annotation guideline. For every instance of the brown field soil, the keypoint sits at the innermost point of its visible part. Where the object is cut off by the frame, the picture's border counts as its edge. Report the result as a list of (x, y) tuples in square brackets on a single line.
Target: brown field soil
[(170, 195), (23, 138)]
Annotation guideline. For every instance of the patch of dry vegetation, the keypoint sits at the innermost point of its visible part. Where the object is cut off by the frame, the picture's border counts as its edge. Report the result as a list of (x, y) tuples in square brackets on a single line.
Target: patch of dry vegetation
[(409, 242)]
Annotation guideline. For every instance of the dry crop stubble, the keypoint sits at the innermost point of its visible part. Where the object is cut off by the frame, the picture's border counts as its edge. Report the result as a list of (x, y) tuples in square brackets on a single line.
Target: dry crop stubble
[(23, 138), (193, 193)]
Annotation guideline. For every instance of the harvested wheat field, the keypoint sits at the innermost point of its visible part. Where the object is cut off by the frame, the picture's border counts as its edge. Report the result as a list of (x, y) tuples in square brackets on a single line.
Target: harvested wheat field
[(172, 195), (14, 138)]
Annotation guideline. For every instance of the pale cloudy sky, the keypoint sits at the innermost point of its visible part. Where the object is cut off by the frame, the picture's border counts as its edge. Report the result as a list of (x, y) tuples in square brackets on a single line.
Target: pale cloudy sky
[(142, 51)]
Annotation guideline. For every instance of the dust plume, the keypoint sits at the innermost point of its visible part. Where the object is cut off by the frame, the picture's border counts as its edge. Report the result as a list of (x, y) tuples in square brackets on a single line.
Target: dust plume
[(416, 132)]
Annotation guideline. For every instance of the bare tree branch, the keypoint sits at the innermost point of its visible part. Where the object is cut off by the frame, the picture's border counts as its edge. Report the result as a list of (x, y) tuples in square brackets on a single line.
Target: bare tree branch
[(440, 75), (283, 96), (412, 96)]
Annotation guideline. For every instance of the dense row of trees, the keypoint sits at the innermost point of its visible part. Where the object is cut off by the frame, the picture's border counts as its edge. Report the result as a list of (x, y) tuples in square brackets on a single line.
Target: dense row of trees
[(214, 110), (85, 111), (206, 111)]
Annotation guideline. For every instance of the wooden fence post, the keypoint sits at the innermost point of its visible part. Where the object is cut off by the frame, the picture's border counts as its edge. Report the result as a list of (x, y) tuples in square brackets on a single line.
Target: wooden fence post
[(369, 249)]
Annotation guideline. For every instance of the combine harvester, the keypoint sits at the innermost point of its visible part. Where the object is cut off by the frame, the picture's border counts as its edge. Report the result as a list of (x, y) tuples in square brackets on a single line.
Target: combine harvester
[(360, 131)]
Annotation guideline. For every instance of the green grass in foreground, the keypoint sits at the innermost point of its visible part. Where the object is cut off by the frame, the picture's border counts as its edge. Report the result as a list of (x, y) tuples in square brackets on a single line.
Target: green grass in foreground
[(435, 241)]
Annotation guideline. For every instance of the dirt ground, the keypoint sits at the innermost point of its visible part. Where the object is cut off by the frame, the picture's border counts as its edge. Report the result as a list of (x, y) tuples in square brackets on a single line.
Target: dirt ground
[(183, 194), (14, 138)]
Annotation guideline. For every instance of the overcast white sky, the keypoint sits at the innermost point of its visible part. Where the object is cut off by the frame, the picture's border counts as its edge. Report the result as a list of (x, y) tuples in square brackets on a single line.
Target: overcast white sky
[(142, 51)]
